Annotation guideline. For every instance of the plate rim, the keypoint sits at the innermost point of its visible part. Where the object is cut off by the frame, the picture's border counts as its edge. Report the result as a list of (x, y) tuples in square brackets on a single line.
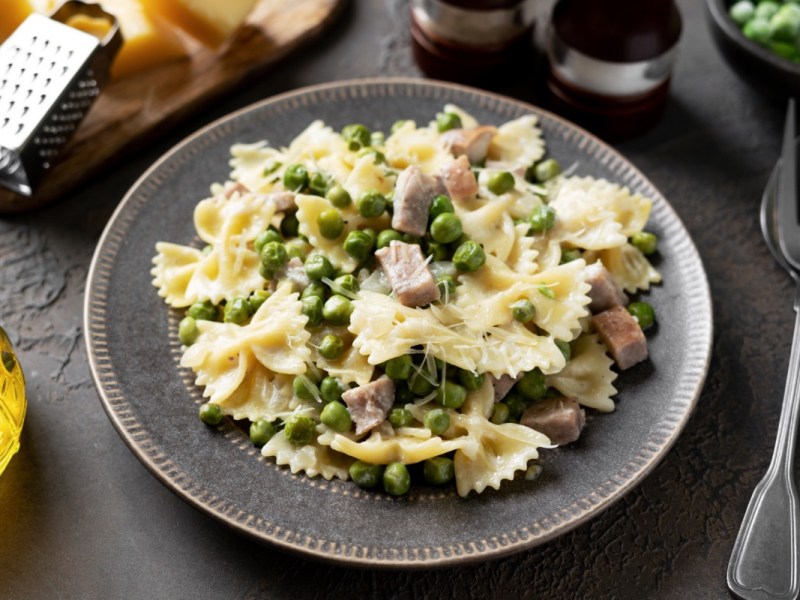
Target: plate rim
[(362, 556)]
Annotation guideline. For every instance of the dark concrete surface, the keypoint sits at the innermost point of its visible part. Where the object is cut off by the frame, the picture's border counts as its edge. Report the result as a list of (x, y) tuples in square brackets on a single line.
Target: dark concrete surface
[(80, 517)]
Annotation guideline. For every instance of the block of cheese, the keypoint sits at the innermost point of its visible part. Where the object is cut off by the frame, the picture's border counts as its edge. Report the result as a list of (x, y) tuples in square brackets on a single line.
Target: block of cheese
[(209, 21), (12, 14), (147, 42)]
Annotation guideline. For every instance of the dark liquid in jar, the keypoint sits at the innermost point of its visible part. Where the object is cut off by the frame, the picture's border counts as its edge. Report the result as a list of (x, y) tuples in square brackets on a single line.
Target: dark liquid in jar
[(614, 31)]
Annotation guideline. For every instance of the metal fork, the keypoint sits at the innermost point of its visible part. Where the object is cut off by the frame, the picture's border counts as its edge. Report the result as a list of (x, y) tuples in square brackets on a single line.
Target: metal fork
[(764, 562)]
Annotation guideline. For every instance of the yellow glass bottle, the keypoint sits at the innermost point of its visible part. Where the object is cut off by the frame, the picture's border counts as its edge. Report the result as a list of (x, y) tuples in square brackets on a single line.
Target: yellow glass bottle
[(12, 401)]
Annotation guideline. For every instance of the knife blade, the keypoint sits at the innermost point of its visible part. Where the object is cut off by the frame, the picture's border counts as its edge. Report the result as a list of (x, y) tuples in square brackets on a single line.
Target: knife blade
[(787, 209)]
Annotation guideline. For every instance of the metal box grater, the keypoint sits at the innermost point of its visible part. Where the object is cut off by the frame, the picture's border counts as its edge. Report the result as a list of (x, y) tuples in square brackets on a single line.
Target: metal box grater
[(50, 75)]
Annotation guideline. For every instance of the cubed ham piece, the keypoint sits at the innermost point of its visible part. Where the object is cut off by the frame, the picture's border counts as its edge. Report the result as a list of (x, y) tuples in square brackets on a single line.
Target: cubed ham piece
[(408, 273), (412, 201), (472, 143), (295, 273), (503, 384), (284, 201), (560, 419), (622, 336), (369, 404), (604, 293), (232, 188), (459, 179)]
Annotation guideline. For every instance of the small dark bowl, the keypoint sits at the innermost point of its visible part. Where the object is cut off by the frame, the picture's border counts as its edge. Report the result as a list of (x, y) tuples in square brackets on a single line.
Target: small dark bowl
[(768, 73)]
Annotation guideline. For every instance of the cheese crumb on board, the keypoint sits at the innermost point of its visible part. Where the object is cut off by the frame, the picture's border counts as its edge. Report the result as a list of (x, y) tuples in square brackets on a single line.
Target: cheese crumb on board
[(211, 22)]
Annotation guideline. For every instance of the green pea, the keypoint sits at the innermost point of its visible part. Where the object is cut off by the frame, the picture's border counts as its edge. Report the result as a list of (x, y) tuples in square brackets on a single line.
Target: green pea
[(400, 417), (646, 242), (304, 387), (569, 255), (446, 285), (757, 29), (399, 367), (330, 389), (437, 251), (471, 381), (319, 183), (261, 432), (365, 475), (338, 196), (299, 429), (210, 414), (741, 12), (331, 346), (295, 178), (337, 310), (766, 9), (289, 225), (188, 331), (378, 157), (469, 256), (396, 479), (203, 311), (237, 311), (532, 386), (387, 236), (273, 255), (565, 348), (358, 245), (500, 182), (357, 136), (256, 299), (784, 50), (516, 406), (420, 385), (318, 266), (371, 204), (451, 395), (296, 248), (437, 420), (438, 470), (643, 313), (270, 235), (315, 288), (336, 416), (397, 125), (311, 306), (523, 310), (330, 223), (446, 228), (346, 282), (439, 205), (785, 24), (542, 218), (546, 170), (267, 274), (500, 414), (446, 121)]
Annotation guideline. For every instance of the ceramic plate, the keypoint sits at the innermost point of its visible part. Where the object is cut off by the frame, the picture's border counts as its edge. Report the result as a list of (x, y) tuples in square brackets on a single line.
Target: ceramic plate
[(134, 352)]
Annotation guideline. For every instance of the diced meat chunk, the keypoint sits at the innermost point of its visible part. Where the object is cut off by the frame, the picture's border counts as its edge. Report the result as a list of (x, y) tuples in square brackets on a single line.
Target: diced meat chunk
[(472, 143), (622, 336), (408, 274), (232, 188), (503, 384), (560, 419), (412, 201), (295, 273), (284, 201), (369, 404), (459, 179), (604, 293)]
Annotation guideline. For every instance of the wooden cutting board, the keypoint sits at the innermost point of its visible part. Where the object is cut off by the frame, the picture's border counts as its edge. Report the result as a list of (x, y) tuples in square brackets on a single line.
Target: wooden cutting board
[(131, 111)]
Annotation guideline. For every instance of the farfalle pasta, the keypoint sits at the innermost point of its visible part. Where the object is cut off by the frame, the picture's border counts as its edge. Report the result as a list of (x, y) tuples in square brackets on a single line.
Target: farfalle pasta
[(352, 347)]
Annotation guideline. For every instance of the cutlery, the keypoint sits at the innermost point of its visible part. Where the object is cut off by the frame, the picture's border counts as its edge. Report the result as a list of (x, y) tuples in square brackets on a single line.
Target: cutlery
[(764, 561)]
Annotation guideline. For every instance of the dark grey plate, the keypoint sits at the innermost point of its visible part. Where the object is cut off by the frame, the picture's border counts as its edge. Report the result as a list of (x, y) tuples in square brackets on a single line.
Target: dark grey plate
[(153, 403)]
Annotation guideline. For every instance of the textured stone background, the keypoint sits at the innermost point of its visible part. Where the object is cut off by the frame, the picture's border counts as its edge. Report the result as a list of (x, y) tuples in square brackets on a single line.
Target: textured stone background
[(81, 518)]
